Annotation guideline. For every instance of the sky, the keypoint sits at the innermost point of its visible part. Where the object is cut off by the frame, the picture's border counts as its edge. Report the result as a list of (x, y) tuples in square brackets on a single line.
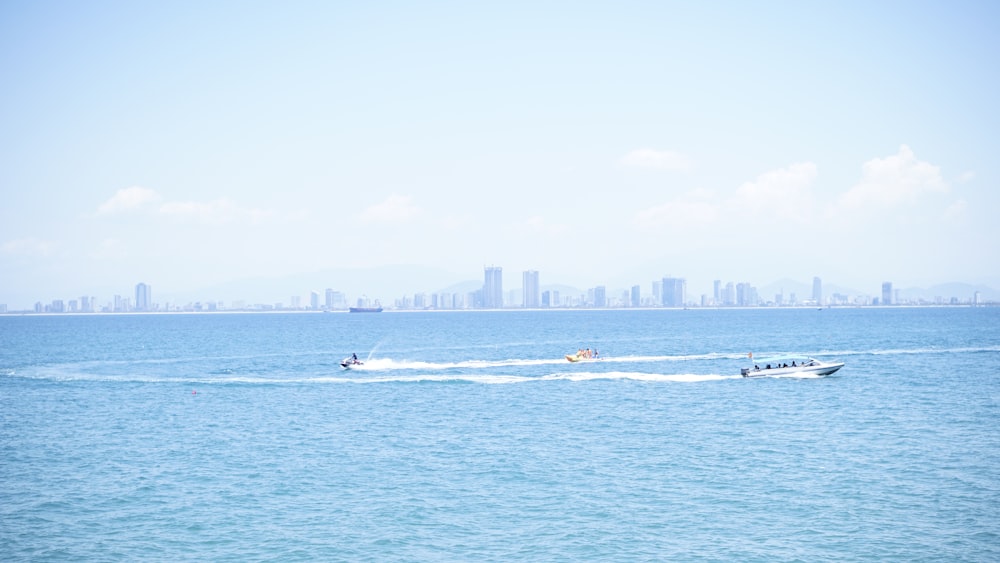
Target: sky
[(191, 144)]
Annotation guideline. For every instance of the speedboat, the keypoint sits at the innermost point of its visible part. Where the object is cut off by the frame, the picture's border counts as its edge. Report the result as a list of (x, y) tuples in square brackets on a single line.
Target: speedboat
[(351, 362), (790, 365)]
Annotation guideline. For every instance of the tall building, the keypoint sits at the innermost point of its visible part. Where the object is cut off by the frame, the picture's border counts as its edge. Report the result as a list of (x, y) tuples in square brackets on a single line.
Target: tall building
[(314, 300), (600, 296), (729, 295), (636, 298), (143, 297), (818, 291), (742, 294), (493, 288), (531, 290), (746, 295), (673, 292), (717, 291), (887, 293), (335, 299)]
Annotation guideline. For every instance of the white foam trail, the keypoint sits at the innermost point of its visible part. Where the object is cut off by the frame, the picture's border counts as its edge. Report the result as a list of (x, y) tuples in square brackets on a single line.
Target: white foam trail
[(380, 364), (488, 379)]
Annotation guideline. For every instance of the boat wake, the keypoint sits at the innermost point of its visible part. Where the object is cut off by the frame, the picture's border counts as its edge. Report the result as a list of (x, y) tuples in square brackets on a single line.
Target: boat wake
[(259, 370), (385, 364), (223, 378)]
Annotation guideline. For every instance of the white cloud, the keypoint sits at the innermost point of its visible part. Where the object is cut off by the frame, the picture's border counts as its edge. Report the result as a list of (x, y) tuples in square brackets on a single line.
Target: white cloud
[(395, 208), (128, 199), (783, 193), (28, 247), (663, 160), (899, 178), (217, 211)]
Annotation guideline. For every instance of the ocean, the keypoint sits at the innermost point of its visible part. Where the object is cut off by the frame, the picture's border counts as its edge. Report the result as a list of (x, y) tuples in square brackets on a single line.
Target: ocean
[(466, 436)]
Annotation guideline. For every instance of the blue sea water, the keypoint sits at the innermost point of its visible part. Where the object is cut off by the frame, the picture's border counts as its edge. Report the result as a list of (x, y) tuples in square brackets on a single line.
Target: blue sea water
[(467, 436)]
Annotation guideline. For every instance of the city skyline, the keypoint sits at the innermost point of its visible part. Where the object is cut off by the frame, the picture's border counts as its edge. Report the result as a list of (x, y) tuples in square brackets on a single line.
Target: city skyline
[(603, 144), (667, 292)]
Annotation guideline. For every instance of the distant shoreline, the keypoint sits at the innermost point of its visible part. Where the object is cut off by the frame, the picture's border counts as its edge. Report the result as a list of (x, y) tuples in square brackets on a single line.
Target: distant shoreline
[(505, 309)]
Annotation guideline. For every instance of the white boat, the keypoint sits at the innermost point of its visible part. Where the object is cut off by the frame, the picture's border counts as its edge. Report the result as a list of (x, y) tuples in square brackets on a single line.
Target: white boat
[(789, 365)]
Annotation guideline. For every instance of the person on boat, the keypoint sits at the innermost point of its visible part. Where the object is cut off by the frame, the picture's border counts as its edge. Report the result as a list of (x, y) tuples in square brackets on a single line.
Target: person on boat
[(793, 363), (595, 353), (354, 359), (588, 354)]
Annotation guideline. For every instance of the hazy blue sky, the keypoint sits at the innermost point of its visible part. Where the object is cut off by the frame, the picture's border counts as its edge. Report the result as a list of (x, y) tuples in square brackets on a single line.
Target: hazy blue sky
[(185, 144)]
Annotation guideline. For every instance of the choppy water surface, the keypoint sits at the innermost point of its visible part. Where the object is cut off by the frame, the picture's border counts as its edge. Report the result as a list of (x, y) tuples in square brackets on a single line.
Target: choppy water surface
[(468, 436)]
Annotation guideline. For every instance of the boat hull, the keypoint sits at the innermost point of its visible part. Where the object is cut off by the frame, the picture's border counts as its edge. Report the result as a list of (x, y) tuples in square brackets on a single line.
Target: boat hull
[(820, 369)]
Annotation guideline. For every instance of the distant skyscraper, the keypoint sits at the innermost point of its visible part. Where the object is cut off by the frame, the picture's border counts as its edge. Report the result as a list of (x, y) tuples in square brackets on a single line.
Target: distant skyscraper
[(531, 290), (314, 300), (743, 294), (818, 291), (493, 288), (143, 297), (636, 297), (334, 299), (673, 292), (887, 293), (717, 291), (600, 296)]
